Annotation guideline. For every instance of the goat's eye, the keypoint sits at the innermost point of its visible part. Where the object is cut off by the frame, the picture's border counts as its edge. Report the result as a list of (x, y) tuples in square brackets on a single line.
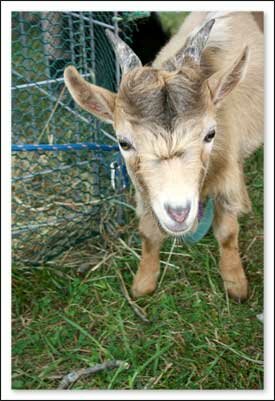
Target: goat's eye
[(208, 138), (125, 145)]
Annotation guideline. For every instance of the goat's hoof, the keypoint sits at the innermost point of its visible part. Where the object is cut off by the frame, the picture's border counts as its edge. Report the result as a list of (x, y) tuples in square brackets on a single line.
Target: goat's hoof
[(140, 289), (237, 290)]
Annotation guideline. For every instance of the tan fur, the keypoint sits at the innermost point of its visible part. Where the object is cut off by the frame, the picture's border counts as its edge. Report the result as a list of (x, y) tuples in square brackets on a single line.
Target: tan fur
[(259, 18), (146, 278), (166, 116), (226, 230)]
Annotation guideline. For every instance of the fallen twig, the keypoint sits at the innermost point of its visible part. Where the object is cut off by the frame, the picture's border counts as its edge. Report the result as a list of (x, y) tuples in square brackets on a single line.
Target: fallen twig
[(240, 354), (87, 266), (137, 309), (129, 248), (167, 263), (73, 376)]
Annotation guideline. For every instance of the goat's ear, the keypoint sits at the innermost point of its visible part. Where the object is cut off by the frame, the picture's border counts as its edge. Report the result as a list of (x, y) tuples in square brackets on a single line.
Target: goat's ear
[(221, 84), (92, 98)]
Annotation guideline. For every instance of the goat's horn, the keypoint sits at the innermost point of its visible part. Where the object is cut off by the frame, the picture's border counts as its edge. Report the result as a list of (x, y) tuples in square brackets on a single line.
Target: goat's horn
[(198, 42), (126, 57), (193, 47)]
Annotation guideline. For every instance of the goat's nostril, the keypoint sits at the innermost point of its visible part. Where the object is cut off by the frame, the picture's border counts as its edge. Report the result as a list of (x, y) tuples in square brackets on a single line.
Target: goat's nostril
[(178, 214)]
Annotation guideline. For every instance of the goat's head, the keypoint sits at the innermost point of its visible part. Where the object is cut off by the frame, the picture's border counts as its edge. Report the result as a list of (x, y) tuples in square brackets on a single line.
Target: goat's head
[(165, 123)]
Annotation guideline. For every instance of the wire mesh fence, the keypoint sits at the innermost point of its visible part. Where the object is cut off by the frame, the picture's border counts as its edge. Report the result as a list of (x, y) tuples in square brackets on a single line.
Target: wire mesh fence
[(66, 166)]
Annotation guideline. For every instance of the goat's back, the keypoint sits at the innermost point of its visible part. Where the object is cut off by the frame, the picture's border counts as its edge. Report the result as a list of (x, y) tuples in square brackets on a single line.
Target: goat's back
[(241, 114)]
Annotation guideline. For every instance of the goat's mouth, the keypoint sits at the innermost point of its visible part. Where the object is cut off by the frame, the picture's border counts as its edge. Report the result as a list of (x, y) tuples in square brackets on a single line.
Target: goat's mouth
[(177, 223), (176, 230)]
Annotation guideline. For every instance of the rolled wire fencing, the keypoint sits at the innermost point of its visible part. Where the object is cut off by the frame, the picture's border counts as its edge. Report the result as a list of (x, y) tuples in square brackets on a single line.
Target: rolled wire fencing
[(68, 178)]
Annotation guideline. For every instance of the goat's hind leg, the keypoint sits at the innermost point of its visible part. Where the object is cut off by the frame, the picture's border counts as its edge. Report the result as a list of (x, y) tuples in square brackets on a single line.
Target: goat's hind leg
[(226, 230), (145, 280)]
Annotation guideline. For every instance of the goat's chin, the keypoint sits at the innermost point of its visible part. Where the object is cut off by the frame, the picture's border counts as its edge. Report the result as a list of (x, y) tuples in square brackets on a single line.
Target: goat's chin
[(178, 232)]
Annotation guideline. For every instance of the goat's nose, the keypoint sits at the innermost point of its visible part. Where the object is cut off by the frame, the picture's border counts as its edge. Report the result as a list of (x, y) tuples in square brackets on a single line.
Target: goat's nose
[(179, 213)]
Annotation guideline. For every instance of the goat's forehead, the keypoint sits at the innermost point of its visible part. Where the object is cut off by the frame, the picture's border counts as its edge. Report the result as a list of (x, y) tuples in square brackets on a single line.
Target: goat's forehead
[(161, 98), (152, 136)]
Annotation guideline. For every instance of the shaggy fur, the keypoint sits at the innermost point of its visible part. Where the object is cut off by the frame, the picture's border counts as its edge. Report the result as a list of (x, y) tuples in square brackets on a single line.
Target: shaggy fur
[(150, 96)]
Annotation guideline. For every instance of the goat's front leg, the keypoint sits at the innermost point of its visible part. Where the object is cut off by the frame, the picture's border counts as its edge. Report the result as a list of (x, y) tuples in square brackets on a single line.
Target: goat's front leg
[(226, 230), (145, 280)]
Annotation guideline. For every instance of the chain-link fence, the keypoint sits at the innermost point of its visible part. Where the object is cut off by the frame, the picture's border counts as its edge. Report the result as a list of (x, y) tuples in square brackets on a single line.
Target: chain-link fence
[(68, 175)]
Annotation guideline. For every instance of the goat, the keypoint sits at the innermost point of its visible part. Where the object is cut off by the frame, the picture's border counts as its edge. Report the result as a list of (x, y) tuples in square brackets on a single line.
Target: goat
[(185, 126)]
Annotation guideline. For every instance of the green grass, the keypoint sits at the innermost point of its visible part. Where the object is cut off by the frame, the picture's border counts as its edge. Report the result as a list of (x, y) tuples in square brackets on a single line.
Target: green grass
[(197, 339), (171, 21)]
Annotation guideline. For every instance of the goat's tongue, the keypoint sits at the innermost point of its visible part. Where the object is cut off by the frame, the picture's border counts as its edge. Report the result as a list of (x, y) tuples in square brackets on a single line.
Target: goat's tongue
[(200, 211)]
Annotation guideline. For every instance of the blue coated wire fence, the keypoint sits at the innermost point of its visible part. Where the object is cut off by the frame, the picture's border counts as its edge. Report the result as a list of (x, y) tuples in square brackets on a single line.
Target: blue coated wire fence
[(67, 171)]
